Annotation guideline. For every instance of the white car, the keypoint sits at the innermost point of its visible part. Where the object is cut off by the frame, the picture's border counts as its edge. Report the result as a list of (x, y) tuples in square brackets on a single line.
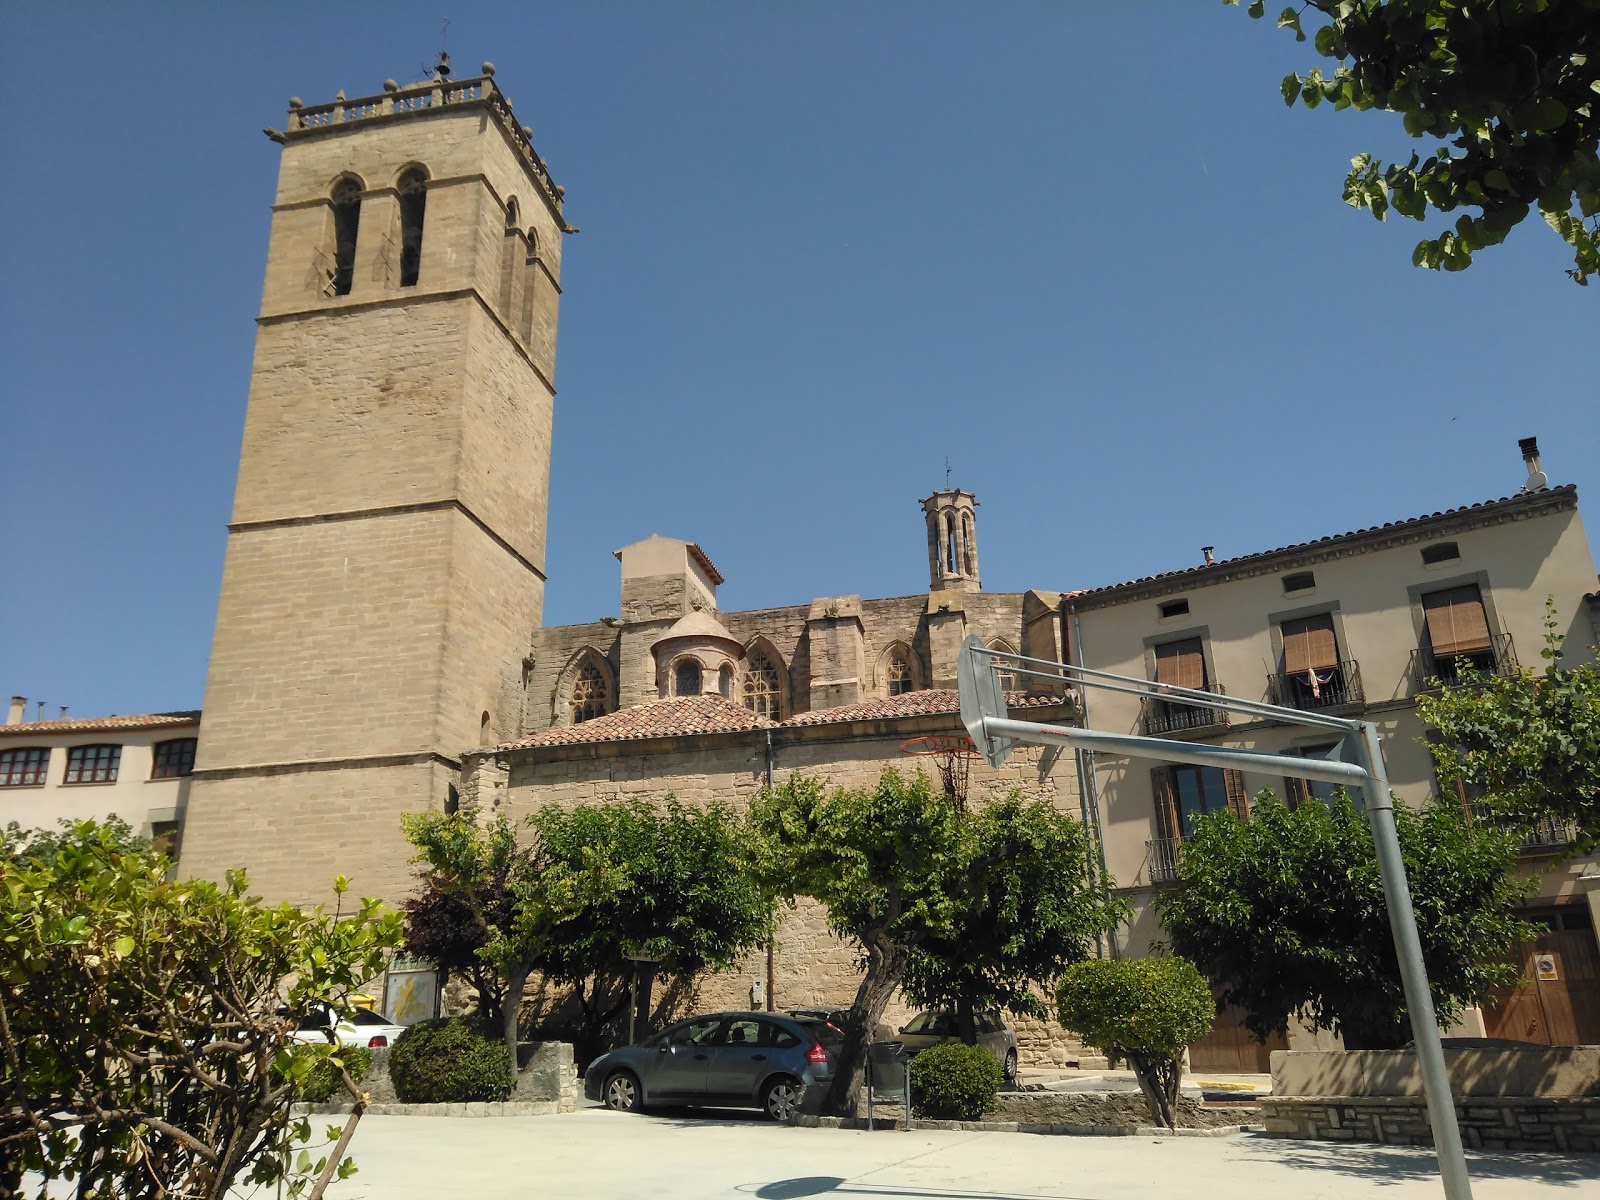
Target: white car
[(356, 1027)]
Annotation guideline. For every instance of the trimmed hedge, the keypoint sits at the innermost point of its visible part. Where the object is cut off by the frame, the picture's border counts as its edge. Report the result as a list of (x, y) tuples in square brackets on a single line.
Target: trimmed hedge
[(321, 1081), (449, 1060), (954, 1082)]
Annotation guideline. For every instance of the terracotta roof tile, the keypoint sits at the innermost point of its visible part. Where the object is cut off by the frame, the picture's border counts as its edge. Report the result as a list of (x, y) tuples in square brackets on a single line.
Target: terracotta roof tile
[(927, 703), (660, 718), (101, 724), (1404, 522)]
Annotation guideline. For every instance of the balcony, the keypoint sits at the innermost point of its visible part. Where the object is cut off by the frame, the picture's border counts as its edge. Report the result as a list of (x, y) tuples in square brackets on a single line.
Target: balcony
[(1547, 836), (1499, 658), (1162, 855), (1335, 686), (1173, 716)]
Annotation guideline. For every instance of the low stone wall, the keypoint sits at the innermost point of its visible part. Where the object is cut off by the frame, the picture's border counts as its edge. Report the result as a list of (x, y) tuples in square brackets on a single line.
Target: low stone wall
[(1107, 1108), (1550, 1072), (1487, 1122), (547, 1083)]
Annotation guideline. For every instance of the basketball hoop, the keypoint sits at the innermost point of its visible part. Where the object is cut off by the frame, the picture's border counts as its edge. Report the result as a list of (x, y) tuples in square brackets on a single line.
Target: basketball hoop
[(952, 753)]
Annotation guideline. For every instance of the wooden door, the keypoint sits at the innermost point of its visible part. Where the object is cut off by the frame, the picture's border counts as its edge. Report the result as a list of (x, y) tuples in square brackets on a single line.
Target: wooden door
[(1557, 1003), (1230, 1049)]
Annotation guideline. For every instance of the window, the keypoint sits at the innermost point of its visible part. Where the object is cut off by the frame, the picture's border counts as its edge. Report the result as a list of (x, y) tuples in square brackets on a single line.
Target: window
[(164, 838), (1440, 552), (590, 696), (1313, 677), (413, 208), (686, 678), (1300, 791), (1174, 608), (1300, 581), (346, 219), (1458, 628), (93, 764), (1181, 664), (761, 687), (1184, 793), (725, 682), (174, 759), (24, 767), (900, 680)]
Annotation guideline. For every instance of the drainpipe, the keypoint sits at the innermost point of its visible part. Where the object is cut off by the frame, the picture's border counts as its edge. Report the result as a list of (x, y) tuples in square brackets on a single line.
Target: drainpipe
[(1089, 799), (772, 1001)]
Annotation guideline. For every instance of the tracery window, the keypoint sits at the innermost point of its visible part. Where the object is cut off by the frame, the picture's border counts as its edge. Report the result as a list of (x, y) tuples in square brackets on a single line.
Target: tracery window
[(589, 694), (686, 678), (900, 678), (346, 221), (413, 208), (761, 688)]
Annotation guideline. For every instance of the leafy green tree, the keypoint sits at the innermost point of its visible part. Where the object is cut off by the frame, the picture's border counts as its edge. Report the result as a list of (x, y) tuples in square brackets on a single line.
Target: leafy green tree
[(143, 1052), (676, 892), (44, 844), (442, 926), (1284, 913), (885, 862), (1529, 744), (1029, 906), (1146, 1010), (1513, 85)]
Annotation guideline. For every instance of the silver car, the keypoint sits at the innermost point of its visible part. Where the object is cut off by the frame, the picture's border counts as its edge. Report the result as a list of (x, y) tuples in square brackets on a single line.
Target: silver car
[(939, 1025), (738, 1059)]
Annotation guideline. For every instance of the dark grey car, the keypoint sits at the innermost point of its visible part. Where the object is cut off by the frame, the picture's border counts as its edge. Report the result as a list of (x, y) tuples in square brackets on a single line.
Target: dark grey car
[(738, 1059)]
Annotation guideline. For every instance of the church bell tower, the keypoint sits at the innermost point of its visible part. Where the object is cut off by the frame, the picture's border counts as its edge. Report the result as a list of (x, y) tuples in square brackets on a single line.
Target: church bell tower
[(385, 559)]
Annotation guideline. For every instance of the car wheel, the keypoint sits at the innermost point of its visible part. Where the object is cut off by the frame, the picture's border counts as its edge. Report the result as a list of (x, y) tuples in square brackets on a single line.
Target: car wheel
[(621, 1092), (782, 1099), (1008, 1069)]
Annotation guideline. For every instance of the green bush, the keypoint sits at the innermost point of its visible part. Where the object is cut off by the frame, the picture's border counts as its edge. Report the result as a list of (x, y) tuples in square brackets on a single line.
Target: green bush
[(954, 1082), (320, 1082), (449, 1060)]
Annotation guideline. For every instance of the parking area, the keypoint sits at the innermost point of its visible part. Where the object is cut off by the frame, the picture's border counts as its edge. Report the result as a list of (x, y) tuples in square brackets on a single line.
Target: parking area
[(595, 1154)]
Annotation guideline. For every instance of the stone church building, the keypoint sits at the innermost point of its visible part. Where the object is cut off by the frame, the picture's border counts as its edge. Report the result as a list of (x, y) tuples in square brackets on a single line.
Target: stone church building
[(379, 646)]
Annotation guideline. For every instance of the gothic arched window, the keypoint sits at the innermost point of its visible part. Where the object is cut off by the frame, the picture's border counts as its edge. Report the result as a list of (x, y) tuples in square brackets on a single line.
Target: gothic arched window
[(900, 677), (590, 696), (686, 678), (346, 220), (413, 208), (761, 688), (725, 681)]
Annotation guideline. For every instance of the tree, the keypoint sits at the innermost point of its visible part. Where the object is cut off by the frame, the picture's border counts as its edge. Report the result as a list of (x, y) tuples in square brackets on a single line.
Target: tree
[(110, 831), (442, 926), (482, 867), (1284, 913), (1030, 905), (1528, 743), (1514, 85), (676, 893), (1146, 1010), (141, 1013), (886, 864)]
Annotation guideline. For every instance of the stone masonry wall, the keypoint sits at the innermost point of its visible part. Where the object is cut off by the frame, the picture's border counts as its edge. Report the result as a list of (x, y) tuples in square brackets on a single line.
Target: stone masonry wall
[(1487, 1122)]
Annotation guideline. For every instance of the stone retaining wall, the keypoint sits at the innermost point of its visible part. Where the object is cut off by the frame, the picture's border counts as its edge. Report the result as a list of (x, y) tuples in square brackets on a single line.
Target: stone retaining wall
[(1107, 1108), (1487, 1122), (547, 1083)]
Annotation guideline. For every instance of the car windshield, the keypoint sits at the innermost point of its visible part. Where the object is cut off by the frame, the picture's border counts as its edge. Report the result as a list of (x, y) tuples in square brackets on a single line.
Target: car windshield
[(932, 1022), (365, 1016)]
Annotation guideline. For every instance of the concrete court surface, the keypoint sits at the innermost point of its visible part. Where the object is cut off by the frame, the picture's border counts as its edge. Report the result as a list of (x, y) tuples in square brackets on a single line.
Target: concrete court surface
[(594, 1154)]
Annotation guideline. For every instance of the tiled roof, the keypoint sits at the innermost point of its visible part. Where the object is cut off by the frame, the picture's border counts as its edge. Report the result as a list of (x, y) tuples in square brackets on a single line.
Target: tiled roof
[(713, 714), (661, 718), (928, 703), (1565, 490), (102, 724)]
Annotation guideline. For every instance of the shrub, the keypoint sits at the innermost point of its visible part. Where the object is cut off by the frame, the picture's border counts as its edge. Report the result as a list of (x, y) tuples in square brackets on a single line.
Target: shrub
[(954, 1082), (320, 1082), (1146, 1010), (447, 1061)]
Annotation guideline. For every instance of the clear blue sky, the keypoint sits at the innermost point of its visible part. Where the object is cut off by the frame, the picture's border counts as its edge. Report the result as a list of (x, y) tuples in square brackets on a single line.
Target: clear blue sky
[(1081, 250)]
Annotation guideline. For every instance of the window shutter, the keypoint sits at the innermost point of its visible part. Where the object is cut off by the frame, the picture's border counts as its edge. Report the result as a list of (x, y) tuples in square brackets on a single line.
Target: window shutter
[(1166, 803), (1298, 790), (1457, 623), (1238, 799), (1181, 664), (1308, 644)]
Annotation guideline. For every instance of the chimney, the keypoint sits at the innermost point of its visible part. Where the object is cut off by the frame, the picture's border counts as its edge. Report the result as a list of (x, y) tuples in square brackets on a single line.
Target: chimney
[(1537, 479), (17, 711), (1206, 550)]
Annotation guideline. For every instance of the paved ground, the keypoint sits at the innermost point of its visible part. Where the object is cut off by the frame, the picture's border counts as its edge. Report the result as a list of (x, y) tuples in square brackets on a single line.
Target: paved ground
[(594, 1154)]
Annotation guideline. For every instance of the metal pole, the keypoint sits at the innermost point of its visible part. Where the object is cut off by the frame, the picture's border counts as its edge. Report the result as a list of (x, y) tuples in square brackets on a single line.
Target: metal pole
[(908, 1094), (1413, 974)]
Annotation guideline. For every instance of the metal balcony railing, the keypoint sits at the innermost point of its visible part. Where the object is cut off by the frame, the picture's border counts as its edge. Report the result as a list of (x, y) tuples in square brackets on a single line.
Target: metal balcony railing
[(1548, 833), (1173, 716), (1335, 685), (1499, 658), (1162, 855)]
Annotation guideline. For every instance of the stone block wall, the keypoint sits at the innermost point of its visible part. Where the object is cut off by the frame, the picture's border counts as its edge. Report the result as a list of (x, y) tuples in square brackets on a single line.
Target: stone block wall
[(1487, 1122)]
